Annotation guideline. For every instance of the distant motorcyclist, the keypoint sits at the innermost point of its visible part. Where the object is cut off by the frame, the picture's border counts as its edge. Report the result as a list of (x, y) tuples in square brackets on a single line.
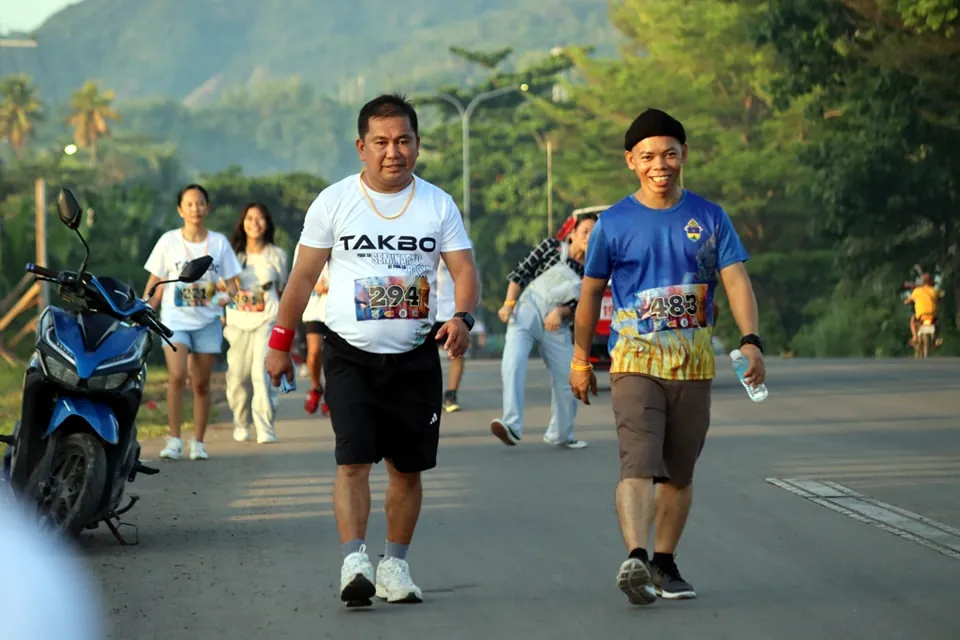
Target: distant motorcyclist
[(925, 298)]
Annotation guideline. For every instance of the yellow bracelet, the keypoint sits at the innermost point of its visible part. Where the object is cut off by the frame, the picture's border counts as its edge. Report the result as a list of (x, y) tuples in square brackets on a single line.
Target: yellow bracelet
[(509, 303), (580, 367)]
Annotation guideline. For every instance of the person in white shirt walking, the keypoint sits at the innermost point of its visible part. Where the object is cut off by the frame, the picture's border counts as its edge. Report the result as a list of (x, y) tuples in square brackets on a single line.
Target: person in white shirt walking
[(192, 311), (446, 307), (313, 318), (250, 317), (384, 232)]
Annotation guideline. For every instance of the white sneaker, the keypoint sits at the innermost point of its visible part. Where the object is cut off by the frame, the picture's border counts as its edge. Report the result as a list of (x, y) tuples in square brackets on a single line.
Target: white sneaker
[(198, 451), (394, 583), (356, 579), (266, 438), (570, 444), (173, 450), (240, 434)]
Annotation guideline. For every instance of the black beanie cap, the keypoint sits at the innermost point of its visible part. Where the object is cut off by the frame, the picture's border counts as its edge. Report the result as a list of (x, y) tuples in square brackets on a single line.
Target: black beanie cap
[(653, 123)]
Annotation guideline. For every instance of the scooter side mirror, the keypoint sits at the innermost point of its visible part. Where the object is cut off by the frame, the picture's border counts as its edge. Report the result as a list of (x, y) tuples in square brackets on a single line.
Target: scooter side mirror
[(194, 270), (69, 209)]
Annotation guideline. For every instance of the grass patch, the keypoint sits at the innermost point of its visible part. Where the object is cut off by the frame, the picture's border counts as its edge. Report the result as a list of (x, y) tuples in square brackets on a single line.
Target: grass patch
[(151, 420)]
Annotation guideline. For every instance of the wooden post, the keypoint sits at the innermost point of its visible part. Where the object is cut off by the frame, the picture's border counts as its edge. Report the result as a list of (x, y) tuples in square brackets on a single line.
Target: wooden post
[(549, 187), (40, 196)]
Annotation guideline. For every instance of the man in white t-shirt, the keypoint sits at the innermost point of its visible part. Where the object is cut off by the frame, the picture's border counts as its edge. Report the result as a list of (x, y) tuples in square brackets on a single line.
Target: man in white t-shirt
[(384, 232)]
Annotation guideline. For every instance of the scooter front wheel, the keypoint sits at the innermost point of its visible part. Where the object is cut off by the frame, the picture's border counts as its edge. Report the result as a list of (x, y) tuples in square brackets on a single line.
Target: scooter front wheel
[(68, 498)]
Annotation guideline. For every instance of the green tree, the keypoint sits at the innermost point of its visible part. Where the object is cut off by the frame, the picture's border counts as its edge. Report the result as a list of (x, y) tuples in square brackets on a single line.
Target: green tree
[(20, 109), (508, 164), (884, 142), (287, 196), (90, 116)]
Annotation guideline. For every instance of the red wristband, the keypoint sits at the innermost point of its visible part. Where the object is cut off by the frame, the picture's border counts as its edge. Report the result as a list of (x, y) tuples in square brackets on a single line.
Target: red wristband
[(281, 338)]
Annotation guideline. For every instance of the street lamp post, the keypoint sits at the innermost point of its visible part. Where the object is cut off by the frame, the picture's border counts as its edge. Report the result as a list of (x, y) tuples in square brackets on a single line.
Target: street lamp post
[(465, 113)]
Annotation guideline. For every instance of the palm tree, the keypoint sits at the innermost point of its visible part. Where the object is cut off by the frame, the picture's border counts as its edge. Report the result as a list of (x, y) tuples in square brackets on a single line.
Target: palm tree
[(20, 108), (90, 114)]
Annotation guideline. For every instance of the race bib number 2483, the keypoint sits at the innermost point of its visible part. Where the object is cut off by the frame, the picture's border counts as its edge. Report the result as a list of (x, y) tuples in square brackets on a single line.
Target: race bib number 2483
[(392, 298), (676, 307)]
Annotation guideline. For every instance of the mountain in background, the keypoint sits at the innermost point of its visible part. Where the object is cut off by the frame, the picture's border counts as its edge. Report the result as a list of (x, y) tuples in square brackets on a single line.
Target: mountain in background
[(194, 50), (273, 85)]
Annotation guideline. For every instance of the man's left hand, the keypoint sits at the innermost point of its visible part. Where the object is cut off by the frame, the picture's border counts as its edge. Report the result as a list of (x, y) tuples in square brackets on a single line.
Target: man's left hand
[(455, 337), (756, 372)]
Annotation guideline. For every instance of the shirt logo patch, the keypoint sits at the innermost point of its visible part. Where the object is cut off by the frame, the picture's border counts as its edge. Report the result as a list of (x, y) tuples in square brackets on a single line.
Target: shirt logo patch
[(693, 230)]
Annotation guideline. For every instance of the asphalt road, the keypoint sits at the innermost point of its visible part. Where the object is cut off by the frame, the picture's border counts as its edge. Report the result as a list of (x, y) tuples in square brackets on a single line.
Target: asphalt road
[(523, 542)]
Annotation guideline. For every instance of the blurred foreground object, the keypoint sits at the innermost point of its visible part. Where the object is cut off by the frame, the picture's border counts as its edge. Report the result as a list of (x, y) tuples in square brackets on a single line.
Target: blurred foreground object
[(45, 591)]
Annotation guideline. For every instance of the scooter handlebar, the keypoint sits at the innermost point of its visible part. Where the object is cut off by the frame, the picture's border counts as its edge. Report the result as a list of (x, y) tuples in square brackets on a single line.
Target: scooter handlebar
[(42, 271)]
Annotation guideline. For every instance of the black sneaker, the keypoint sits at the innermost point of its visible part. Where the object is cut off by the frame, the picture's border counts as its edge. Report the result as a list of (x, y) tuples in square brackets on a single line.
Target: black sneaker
[(635, 580), (668, 582), (507, 435), (450, 403)]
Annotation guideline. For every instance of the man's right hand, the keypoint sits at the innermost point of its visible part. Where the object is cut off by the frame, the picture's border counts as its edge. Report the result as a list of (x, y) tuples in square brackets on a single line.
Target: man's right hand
[(582, 384), (279, 364), (505, 312)]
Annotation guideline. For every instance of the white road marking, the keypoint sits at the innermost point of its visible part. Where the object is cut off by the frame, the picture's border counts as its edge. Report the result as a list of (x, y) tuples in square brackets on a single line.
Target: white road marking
[(900, 522)]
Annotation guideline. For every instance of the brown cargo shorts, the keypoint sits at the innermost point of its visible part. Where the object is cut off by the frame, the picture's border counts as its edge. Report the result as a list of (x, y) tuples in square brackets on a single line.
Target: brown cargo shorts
[(661, 425)]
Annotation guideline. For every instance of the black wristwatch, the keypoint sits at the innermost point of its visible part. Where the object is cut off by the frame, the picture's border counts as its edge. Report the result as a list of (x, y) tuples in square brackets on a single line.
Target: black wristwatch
[(754, 339), (467, 319)]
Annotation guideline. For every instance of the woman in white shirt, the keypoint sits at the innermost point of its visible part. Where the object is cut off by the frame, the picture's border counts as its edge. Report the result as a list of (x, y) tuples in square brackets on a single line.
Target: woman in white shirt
[(192, 311), (250, 318)]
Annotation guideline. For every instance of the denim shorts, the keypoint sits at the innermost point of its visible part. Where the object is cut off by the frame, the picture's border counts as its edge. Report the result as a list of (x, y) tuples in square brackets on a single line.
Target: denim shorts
[(208, 339)]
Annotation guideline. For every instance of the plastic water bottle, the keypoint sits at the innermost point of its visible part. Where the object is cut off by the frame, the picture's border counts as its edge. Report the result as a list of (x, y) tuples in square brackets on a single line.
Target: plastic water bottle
[(740, 365)]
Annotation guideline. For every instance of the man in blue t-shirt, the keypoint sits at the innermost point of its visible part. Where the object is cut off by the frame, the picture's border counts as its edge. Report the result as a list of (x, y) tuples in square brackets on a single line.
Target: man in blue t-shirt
[(662, 248)]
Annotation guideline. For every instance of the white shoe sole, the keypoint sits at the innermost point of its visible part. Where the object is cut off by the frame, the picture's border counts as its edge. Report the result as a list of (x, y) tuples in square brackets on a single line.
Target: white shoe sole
[(403, 597), (679, 595), (635, 581)]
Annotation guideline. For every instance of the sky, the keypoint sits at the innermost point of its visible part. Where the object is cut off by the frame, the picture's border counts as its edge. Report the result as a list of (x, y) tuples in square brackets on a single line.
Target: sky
[(26, 15)]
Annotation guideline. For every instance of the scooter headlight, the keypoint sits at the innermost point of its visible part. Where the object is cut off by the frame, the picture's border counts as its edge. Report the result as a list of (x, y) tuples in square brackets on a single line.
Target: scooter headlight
[(108, 382), (65, 375), (62, 373)]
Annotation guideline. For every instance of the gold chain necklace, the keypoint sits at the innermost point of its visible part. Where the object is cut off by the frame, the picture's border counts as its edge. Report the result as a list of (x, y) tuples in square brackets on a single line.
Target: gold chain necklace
[(366, 195)]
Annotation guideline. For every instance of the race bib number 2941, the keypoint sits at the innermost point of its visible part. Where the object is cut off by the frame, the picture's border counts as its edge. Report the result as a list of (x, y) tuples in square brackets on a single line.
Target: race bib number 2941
[(676, 307), (392, 298)]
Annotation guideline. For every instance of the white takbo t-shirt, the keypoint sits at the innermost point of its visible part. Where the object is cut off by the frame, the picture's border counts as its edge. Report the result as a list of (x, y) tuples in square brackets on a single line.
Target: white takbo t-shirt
[(186, 307), (383, 272)]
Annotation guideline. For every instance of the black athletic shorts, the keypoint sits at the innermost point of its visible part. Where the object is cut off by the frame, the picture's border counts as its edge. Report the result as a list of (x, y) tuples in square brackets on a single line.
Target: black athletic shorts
[(384, 405), (314, 327)]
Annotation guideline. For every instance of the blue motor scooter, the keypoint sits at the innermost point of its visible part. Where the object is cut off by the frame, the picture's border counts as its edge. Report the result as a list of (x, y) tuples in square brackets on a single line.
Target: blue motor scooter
[(75, 447)]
